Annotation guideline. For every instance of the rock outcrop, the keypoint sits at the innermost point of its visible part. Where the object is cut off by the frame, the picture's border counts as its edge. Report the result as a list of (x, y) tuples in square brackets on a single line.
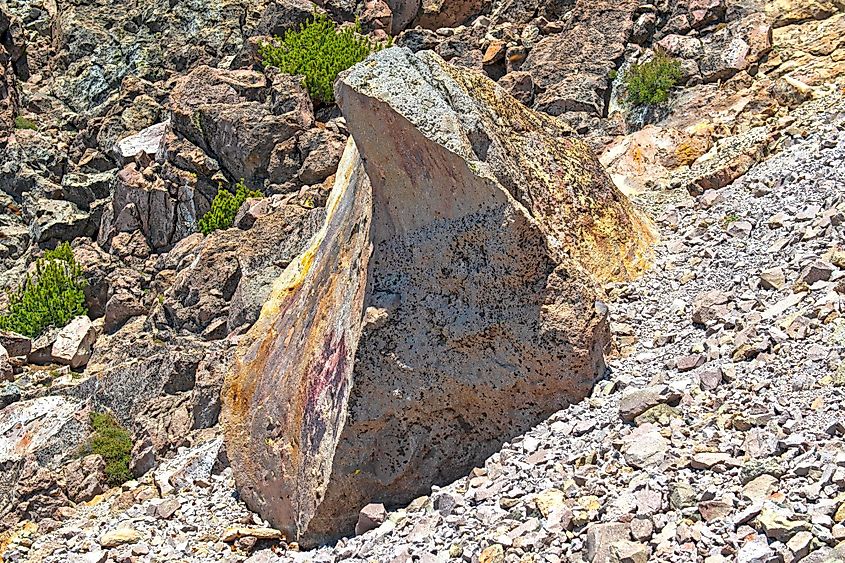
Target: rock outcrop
[(239, 117), (8, 90), (594, 41), (489, 228), (35, 434)]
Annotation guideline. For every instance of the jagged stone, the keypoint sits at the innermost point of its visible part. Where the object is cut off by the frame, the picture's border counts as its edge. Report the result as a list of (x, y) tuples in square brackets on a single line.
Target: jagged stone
[(14, 343), (73, 343), (85, 478), (147, 142), (370, 518), (594, 38), (7, 371), (434, 14), (238, 116), (479, 244), (35, 436), (231, 272)]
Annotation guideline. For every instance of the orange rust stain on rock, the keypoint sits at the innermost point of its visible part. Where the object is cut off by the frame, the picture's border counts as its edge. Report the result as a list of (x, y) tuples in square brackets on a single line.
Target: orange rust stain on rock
[(24, 443)]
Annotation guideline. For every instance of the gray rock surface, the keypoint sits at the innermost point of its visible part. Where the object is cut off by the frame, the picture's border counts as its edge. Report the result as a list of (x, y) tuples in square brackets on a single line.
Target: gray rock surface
[(520, 328)]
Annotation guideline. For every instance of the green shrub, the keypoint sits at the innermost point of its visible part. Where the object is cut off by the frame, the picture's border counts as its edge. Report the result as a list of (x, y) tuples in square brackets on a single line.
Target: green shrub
[(50, 297), (115, 446), (224, 207), (730, 218), (649, 83), (22, 122), (319, 52)]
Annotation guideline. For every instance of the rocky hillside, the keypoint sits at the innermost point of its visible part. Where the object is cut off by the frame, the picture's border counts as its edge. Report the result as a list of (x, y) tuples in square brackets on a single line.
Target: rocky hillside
[(483, 307)]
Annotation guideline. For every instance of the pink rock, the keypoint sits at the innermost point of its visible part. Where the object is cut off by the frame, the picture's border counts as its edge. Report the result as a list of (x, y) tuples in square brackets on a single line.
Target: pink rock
[(74, 343)]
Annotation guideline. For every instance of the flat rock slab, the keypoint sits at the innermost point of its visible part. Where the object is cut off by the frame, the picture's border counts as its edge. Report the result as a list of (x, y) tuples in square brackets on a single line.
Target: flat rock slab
[(45, 427)]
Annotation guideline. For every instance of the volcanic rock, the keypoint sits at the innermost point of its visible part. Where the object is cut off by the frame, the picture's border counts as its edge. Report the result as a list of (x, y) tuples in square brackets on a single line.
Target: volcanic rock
[(489, 227)]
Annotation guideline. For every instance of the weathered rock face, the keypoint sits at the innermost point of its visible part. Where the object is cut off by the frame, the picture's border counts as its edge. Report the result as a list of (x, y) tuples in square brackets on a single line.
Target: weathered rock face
[(149, 39), (238, 117), (571, 68), (36, 433), (435, 14), (487, 227), (222, 280), (8, 91), (286, 402)]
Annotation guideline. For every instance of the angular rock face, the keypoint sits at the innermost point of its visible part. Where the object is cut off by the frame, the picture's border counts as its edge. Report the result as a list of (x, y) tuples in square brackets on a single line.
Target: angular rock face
[(488, 228), (73, 343), (571, 68), (38, 432), (285, 403), (8, 91), (238, 118), (225, 278)]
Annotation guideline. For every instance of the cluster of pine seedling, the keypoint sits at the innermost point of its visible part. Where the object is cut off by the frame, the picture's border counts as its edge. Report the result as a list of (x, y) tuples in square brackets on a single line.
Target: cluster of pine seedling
[(52, 296), (319, 52), (224, 207), (649, 83)]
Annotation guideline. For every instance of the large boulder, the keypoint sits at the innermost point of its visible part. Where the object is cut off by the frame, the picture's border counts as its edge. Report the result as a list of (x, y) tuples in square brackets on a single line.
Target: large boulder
[(239, 116), (295, 365), (489, 229)]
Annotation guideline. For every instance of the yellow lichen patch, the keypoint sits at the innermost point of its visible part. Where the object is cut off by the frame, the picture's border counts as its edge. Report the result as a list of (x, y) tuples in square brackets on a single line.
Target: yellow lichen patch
[(13, 535), (562, 184), (114, 491), (686, 153), (637, 155)]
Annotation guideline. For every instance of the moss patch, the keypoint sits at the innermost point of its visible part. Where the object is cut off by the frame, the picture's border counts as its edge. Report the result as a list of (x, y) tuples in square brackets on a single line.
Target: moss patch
[(22, 122), (112, 442)]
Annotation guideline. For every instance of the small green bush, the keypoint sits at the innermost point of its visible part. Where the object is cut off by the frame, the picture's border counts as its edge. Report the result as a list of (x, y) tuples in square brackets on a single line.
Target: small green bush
[(224, 207), (51, 297), (319, 52), (115, 446), (22, 122), (649, 83)]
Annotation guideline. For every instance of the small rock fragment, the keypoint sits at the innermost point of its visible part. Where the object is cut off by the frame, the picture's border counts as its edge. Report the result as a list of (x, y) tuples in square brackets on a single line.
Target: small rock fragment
[(370, 518)]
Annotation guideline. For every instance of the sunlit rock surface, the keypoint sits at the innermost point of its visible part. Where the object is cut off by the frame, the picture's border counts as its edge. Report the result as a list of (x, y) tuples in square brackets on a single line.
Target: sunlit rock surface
[(490, 229), (285, 405)]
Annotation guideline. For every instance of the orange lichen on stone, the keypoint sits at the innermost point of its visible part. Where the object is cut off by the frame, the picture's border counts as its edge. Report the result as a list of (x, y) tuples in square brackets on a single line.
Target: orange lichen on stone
[(561, 183)]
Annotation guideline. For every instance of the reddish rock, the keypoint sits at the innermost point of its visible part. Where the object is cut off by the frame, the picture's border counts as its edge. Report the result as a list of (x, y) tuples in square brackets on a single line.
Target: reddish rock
[(85, 478), (370, 518), (593, 40)]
